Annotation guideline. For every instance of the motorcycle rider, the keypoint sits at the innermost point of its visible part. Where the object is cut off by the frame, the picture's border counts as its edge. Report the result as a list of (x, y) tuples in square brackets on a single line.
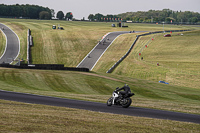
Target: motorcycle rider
[(126, 91)]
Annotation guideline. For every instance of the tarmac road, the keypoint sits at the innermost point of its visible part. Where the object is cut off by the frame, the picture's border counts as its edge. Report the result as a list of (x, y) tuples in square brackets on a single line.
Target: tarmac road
[(95, 54), (12, 47), (99, 107)]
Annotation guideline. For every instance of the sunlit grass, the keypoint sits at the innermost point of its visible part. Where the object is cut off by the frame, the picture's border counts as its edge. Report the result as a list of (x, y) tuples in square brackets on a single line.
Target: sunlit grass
[(99, 87), (70, 46), (21, 117), (178, 58)]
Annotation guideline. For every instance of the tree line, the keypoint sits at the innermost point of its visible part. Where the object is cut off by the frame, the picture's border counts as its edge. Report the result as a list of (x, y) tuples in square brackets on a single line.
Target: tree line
[(165, 15), (101, 17), (60, 15), (25, 11), (31, 12)]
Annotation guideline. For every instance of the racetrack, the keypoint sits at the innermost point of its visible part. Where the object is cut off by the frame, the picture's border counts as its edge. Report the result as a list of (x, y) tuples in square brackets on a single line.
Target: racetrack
[(95, 54), (12, 51), (12, 47), (99, 107)]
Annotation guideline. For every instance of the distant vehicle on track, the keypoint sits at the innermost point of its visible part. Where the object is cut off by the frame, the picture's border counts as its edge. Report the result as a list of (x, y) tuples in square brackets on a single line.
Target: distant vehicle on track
[(167, 35)]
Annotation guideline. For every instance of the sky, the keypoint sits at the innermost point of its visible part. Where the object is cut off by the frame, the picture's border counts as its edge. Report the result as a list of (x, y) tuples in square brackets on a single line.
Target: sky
[(83, 8)]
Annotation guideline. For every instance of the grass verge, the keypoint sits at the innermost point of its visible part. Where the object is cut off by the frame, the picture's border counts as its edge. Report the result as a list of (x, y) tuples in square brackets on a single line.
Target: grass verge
[(99, 87), (178, 58), (69, 47), (21, 117)]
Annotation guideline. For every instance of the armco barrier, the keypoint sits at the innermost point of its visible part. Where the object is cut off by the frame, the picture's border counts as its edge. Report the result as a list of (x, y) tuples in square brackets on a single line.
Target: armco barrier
[(45, 67), (118, 62)]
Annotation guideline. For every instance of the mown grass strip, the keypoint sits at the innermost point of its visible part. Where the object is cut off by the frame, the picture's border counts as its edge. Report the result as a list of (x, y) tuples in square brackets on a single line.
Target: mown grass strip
[(71, 45), (178, 58), (95, 87), (21, 117)]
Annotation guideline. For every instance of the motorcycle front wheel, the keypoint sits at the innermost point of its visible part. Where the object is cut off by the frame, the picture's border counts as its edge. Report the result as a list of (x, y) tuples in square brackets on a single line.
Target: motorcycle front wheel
[(126, 102), (109, 102)]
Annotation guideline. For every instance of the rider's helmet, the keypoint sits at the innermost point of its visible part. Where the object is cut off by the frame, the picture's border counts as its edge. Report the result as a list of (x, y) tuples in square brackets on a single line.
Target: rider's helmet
[(126, 85)]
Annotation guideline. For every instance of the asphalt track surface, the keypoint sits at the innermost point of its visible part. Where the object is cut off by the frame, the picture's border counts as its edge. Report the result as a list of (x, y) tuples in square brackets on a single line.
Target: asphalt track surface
[(12, 46), (95, 54), (98, 107)]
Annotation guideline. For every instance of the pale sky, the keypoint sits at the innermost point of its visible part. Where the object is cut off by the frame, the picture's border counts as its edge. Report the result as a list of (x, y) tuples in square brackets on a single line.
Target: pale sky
[(82, 8)]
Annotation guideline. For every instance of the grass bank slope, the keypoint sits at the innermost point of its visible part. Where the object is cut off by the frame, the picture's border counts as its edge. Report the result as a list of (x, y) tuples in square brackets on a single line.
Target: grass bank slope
[(23, 118), (95, 87), (178, 57), (71, 45)]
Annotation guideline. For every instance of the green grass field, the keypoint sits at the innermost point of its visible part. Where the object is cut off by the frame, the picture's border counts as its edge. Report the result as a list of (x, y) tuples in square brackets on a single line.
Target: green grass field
[(25, 118), (178, 57), (95, 87), (70, 46)]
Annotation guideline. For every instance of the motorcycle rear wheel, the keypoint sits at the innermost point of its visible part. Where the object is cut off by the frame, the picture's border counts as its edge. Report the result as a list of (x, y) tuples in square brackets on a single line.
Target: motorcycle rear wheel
[(109, 102), (127, 102)]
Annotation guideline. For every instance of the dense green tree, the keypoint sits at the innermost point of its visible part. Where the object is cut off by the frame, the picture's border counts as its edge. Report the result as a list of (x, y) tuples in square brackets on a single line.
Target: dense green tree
[(98, 16), (44, 15), (28, 11), (194, 20), (91, 17), (60, 15), (141, 20), (69, 16), (52, 13), (161, 15), (168, 19), (128, 18)]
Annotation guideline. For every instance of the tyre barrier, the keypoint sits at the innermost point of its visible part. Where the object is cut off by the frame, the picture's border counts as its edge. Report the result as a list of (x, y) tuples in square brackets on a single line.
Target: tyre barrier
[(45, 67), (118, 62)]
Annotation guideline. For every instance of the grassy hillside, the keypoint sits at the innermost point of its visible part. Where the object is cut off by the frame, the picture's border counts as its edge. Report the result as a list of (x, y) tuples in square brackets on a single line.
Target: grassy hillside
[(95, 87), (69, 47), (23, 118), (178, 57)]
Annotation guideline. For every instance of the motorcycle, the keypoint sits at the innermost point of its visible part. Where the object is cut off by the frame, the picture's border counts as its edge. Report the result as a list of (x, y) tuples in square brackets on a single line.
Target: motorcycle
[(117, 99)]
